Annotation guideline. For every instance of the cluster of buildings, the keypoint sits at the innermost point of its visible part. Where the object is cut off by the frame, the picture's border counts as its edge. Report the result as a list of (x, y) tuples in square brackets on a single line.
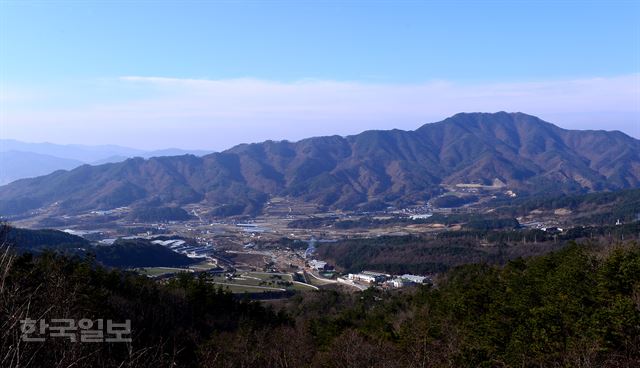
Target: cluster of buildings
[(386, 280), (191, 250), (188, 249)]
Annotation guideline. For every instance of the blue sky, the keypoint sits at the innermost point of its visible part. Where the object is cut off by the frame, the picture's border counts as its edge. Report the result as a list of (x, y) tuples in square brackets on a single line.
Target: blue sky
[(209, 74)]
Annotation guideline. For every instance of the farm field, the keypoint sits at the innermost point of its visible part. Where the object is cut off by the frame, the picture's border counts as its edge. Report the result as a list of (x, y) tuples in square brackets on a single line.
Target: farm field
[(159, 271), (261, 282)]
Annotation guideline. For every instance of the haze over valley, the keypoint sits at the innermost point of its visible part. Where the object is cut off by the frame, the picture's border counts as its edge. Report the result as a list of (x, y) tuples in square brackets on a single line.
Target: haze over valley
[(19, 160)]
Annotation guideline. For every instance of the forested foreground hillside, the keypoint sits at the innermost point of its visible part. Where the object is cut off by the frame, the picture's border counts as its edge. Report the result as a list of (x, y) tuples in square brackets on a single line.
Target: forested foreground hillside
[(577, 307)]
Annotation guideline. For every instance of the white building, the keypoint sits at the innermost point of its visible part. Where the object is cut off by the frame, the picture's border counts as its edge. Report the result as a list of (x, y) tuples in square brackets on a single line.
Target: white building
[(397, 283), (319, 265), (369, 277), (361, 277), (414, 278)]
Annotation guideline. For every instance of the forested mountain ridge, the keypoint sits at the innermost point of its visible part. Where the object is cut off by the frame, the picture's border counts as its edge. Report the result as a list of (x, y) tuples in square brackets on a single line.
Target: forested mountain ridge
[(123, 253), (390, 167)]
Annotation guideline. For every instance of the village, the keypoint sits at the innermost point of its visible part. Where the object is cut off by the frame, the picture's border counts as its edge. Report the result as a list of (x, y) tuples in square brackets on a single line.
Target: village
[(254, 252)]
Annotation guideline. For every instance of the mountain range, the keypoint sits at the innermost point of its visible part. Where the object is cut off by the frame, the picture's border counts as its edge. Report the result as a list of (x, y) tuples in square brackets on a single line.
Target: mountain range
[(373, 168), (19, 160)]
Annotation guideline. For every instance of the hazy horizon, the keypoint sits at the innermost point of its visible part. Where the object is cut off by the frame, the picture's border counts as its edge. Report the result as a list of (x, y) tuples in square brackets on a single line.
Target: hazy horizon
[(292, 138), (213, 75)]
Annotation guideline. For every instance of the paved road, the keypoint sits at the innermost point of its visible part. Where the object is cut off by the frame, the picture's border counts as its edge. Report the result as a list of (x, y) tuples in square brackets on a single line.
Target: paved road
[(338, 281), (353, 284)]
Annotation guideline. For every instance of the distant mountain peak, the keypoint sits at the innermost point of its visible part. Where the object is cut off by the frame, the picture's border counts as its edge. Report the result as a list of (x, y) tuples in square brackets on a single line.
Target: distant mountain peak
[(390, 167)]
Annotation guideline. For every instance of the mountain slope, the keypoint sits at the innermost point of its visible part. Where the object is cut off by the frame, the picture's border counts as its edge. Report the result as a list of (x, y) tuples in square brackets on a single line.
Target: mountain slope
[(19, 160), (124, 253), (77, 152), (393, 166), (16, 165)]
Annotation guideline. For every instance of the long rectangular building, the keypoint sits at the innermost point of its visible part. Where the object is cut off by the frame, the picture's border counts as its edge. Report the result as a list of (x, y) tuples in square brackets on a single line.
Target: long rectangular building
[(368, 276)]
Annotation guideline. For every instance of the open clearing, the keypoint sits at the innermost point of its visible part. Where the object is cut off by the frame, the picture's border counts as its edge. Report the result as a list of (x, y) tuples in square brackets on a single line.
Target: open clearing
[(261, 282), (159, 271)]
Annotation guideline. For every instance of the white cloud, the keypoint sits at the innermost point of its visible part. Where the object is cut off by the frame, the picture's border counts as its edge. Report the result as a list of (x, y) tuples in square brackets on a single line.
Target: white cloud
[(219, 113)]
